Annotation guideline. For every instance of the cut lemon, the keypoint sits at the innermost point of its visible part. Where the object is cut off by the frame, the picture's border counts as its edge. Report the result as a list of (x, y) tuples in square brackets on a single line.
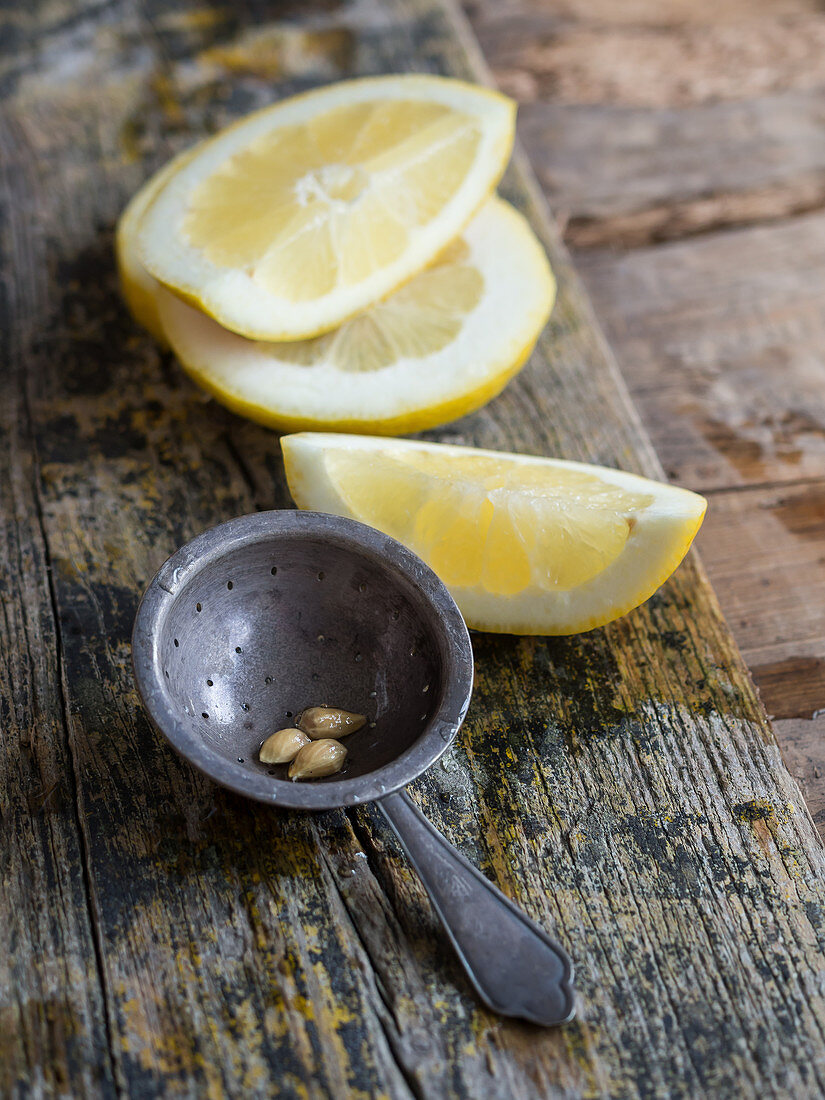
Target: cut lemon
[(138, 287), (441, 346), (304, 213), (526, 545)]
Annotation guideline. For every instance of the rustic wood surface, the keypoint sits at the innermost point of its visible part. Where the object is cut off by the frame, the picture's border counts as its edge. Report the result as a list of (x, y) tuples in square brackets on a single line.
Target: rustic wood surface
[(722, 340), (159, 936), (678, 123)]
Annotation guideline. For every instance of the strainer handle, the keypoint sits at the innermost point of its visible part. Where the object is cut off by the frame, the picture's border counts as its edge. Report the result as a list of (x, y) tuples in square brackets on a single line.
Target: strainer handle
[(516, 968)]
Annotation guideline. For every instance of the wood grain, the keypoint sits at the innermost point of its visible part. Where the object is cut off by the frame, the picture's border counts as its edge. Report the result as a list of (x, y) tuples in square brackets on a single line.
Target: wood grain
[(629, 176), (649, 122), (646, 54), (763, 549), (624, 786), (52, 1014), (766, 548), (720, 340)]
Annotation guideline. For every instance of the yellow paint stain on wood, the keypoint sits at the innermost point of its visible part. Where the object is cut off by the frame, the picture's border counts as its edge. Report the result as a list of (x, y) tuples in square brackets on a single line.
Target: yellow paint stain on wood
[(194, 19), (279, 52), (252, 1076), (168, 98)]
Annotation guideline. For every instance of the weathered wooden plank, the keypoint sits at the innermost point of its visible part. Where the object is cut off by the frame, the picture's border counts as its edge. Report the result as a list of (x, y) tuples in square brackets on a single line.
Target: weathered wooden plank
[(650, 122), (765, 547), (53, 1033), (721, 342), (624, 786), (649, 54), (215, 981), (763, 551), (542, 16), (221, 968), (628, 176), (720, 339)]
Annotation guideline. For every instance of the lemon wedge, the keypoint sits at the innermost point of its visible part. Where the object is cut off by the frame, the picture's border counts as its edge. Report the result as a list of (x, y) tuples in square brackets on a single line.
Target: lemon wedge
[(444, 344), (526, 545), (302, 214)]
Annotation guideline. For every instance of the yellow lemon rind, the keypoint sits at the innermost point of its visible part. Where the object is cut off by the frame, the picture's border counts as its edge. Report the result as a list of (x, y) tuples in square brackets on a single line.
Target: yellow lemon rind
[(404, 424)]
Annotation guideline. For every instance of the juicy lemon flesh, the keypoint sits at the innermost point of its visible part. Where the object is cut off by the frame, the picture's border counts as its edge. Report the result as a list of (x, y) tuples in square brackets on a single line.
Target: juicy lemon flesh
[(309, 208), (492, 524), (421, 318)]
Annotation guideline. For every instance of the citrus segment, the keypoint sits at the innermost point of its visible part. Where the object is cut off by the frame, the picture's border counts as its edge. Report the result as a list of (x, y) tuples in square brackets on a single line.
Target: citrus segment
[(304, 213), (526, 545)]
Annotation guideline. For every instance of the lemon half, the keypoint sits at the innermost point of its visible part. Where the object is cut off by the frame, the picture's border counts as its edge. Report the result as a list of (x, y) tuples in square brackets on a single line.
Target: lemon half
[(526, 545), (441, 346), (301, 215)]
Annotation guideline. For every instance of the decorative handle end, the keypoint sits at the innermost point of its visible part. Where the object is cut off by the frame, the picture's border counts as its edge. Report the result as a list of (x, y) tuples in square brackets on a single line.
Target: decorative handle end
[(516, 968)]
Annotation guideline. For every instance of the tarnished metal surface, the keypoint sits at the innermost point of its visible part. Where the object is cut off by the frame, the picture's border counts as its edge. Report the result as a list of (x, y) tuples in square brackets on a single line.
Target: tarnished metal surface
[(258, 618)]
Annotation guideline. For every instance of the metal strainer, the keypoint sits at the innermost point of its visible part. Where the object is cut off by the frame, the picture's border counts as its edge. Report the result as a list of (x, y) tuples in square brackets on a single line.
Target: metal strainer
[(260, 617)]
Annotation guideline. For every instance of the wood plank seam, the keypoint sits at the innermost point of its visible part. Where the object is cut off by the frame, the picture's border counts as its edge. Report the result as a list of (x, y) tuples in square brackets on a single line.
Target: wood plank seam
[(390, 1033), (700, 216), (759, 486)]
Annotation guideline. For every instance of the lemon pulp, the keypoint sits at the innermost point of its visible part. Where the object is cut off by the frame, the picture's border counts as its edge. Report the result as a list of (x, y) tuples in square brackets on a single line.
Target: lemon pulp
[(306, 208), (478, 521), (421, 318)]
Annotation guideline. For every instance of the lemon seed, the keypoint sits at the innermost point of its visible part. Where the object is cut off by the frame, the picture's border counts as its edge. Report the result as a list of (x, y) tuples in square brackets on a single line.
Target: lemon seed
[(317, 759), (283, 746), (330, 722)]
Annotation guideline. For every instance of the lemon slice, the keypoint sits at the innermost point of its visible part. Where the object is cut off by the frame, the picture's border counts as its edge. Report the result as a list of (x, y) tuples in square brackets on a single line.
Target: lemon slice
[(442, 345), (138, 287), (526, 545), (304, 213)]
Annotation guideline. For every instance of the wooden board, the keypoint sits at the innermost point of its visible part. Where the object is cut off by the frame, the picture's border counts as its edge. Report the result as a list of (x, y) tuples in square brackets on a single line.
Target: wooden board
[(627, 176), (159, 936), (649, 121), (648, 54), (721, 342), (763, 549)]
